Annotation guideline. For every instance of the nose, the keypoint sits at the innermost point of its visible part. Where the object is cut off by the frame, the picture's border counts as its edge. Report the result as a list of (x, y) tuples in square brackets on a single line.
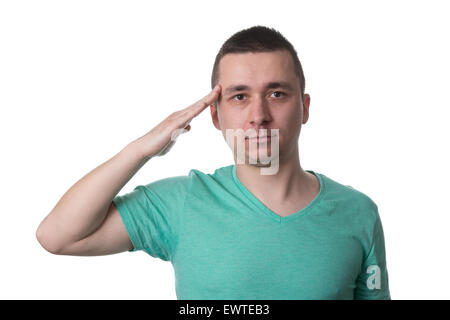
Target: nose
[(259, 112)]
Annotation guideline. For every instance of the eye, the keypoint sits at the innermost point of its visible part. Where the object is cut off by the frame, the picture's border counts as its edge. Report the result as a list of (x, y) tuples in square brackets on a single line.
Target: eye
[(238, 95), (278, 92)]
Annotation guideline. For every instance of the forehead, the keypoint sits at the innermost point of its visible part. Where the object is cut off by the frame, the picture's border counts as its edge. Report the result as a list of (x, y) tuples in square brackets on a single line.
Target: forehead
[(256, 68)]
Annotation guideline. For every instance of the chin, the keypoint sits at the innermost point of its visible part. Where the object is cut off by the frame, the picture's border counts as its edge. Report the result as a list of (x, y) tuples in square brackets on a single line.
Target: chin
[(260, 165)]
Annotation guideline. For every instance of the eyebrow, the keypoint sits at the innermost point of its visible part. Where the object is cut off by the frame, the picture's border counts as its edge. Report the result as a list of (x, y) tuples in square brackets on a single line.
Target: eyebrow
[(270, 85)]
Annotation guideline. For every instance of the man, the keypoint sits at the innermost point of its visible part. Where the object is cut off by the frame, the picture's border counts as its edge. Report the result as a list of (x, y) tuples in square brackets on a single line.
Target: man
[(236, 233)]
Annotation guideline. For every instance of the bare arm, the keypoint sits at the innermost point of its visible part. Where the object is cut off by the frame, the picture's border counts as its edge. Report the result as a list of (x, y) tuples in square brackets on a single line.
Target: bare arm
[(83, 208), (85, 221)]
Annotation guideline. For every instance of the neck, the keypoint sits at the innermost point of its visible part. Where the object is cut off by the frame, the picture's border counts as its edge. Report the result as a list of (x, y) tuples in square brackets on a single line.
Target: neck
[(287, 183)]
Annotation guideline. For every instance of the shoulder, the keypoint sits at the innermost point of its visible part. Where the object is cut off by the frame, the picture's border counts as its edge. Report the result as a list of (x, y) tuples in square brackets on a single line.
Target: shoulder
[(353, 200), (220, 178), (183, 183)]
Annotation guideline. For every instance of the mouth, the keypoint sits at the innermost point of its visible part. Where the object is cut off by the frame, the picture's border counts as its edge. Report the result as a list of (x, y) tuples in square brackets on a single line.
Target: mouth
[(260, 138)]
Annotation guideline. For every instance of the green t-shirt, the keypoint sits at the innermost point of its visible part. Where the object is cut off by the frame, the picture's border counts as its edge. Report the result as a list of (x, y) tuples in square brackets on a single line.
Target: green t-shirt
[(224, 243)]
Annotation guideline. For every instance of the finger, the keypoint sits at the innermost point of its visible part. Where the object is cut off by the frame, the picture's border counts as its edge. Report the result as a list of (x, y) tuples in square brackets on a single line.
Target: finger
[(206, 101), (177, 132), (212, 96), (192, 111)]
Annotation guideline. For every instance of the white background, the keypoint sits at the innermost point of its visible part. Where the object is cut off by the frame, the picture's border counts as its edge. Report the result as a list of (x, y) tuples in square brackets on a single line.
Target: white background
[(81, 79)]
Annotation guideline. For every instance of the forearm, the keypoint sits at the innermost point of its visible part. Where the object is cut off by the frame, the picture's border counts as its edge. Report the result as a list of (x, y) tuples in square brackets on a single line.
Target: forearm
[(83, 207)]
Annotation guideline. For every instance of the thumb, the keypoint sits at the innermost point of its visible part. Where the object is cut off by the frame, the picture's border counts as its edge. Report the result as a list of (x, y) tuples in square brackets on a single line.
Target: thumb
[(178, 132)]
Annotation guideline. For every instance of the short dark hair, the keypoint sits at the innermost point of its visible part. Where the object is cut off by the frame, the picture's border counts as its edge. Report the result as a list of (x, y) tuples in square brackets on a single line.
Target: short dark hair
[(258, 39)]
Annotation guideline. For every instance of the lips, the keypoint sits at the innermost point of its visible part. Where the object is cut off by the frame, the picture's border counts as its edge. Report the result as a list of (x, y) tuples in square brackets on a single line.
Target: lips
[(260, 138)]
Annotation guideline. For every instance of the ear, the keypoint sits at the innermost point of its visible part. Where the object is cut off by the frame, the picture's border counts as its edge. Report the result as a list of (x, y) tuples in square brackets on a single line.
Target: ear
[(215, 116), (306, 101)]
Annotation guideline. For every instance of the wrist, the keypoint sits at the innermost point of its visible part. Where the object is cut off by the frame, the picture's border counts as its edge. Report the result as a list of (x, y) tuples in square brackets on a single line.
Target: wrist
[(136, 149)]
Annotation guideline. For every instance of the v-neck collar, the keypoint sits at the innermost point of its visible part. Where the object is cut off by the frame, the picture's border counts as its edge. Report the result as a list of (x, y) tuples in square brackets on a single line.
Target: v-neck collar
[(272, 214)]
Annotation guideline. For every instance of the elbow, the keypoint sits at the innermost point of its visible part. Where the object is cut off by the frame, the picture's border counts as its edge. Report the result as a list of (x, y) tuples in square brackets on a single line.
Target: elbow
[(45, 242)]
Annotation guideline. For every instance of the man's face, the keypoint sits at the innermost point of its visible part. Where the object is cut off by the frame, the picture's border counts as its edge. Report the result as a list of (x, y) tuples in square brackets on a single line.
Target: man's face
[(247, 102)]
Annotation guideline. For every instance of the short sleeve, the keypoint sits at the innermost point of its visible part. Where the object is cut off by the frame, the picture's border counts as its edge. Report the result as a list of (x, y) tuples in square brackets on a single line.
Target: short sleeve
[(151, 215), (373, 282)]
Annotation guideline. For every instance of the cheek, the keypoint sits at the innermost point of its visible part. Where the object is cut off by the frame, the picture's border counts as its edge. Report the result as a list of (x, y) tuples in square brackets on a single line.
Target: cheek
[(228, 120), (292, 118), (290, 123)]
